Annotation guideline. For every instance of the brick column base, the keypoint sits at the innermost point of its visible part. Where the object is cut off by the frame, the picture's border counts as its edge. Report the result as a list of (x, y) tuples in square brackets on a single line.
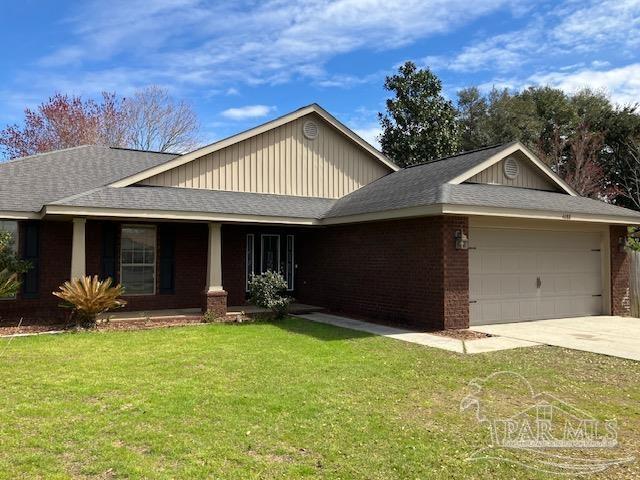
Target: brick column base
[(217, 304)]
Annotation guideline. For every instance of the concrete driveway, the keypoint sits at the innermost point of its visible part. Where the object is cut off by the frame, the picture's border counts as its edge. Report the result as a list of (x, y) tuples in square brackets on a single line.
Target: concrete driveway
[(614, 336)]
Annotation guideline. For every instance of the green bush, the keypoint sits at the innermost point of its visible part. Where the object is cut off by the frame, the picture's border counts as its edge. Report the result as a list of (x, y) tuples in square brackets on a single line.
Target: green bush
[(11, 266), (268, 290)]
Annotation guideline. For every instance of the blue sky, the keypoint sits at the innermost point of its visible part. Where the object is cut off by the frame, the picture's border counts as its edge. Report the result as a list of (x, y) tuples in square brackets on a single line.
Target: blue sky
[(241, 63)]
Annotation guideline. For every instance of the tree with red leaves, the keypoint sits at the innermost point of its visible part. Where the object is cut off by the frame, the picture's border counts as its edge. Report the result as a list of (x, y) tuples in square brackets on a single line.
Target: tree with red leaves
[(66, 121), (150, 120)]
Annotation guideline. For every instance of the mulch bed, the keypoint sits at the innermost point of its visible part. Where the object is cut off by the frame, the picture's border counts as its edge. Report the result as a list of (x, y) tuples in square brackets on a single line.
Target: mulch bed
[(142, 324), (461, 334), (4, 331), (147, 323)]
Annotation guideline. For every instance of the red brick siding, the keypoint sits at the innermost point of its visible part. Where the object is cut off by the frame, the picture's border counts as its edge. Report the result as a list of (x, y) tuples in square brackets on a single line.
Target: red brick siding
[(396, 272), (620, 264), (456, 274), (401, 272), (54, 268), (233, 263), (190, 272), (55, 265)]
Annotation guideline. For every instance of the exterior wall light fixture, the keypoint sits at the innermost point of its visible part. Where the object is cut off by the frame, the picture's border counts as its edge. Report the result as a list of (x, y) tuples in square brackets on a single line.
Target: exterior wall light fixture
[(462, 242)]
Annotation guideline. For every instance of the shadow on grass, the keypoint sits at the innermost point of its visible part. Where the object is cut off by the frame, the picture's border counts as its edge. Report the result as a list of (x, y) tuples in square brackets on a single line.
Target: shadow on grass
[(317, 330)]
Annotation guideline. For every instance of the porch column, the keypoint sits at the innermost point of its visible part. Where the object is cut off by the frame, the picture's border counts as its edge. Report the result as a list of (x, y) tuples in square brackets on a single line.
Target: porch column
[(216, 296), (78, 256)]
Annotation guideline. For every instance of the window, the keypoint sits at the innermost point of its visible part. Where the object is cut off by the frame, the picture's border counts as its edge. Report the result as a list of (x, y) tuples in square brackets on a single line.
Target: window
[(249, 262), (10, 226), (290, 263), (138, 259)]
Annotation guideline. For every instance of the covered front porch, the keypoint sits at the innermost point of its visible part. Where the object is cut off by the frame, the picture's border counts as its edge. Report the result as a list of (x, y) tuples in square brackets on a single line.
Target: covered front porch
[(180, 268)]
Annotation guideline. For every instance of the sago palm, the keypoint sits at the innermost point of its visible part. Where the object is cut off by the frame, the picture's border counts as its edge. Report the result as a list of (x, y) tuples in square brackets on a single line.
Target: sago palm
[(89, 297)]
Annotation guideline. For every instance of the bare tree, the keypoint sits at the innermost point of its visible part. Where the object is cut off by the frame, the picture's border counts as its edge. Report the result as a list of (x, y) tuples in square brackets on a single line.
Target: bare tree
[(155, 121), (629, 183)]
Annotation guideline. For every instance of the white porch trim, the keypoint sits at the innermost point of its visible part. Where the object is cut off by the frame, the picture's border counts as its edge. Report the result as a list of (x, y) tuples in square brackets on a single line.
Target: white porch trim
[(214, 265), (78, 256)]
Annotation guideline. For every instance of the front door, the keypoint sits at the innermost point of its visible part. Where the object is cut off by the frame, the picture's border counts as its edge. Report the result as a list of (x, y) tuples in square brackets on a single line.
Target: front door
[(271, 252)]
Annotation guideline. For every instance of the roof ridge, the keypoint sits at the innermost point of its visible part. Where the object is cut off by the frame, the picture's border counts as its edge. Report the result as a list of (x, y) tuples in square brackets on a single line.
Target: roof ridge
[(144, 151), (75, 195), (465, 152), (41, 154)]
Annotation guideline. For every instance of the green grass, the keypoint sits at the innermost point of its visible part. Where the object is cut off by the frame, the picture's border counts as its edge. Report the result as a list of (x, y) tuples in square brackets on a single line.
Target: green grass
[(274, 400)]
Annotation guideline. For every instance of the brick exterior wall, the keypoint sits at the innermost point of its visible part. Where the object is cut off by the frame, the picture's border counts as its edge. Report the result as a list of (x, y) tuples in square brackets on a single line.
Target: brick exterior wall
[(456, 273), (620, 265), (233, 263), (404, 272), (54, 267)]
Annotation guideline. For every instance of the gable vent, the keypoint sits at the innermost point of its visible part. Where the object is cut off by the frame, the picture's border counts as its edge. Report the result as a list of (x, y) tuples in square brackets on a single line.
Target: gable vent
[(310, 130), (511, 168)]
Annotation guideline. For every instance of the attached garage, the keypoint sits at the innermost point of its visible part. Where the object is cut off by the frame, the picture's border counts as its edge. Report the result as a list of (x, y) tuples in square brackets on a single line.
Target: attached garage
[(521, 274)]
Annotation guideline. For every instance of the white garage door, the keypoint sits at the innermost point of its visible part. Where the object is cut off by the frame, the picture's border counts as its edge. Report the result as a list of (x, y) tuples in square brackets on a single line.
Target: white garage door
[(517, 275)]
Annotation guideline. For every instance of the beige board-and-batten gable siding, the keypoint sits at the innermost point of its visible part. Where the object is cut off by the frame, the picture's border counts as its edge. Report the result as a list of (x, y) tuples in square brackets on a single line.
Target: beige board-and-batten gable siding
[(282, 161), (529, 175)]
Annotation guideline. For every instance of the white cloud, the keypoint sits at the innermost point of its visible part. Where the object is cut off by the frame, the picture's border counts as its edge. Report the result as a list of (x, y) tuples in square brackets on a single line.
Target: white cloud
[(500, 52), (597, 23), (573, 28), (198, 42), (622, 83), (249, 111), (370, 134)]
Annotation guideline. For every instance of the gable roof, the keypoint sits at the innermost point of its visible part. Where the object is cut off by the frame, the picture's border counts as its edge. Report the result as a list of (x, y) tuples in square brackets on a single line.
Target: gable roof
[(426, 189), (219, 145), (31, 182), (438, 183), (508, 149), (76, 181), (413, 186)]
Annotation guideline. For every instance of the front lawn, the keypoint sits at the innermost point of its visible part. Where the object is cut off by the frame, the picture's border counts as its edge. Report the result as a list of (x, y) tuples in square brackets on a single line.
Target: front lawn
[(275, 400)]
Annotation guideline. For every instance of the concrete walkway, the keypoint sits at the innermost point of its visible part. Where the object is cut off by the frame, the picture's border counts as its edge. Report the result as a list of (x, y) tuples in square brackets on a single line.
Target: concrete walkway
[(613, 336), (481, 345)]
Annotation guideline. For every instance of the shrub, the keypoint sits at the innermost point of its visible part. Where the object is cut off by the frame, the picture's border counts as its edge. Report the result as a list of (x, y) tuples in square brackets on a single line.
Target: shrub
[(9, 283), (88, 297), (268, 290), (11, 266)]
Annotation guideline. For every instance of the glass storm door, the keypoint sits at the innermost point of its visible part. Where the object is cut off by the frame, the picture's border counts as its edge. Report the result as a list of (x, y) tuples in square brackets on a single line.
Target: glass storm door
[(271, 252), (270, 256)]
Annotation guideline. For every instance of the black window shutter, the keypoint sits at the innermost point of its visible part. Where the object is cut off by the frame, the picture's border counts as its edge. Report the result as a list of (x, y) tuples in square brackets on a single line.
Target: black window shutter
[(167, 245), (108, 263), (31, 252)]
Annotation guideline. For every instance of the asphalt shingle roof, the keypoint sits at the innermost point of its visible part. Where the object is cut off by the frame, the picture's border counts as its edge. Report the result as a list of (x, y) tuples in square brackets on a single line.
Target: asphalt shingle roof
[(527, 199), (202, 201), (79, 177), (414, 186), (26, 184)]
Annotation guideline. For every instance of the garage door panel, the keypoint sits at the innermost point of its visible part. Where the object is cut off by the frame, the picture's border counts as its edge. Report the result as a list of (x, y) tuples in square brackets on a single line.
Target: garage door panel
[(505, 265), (510, 285)]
